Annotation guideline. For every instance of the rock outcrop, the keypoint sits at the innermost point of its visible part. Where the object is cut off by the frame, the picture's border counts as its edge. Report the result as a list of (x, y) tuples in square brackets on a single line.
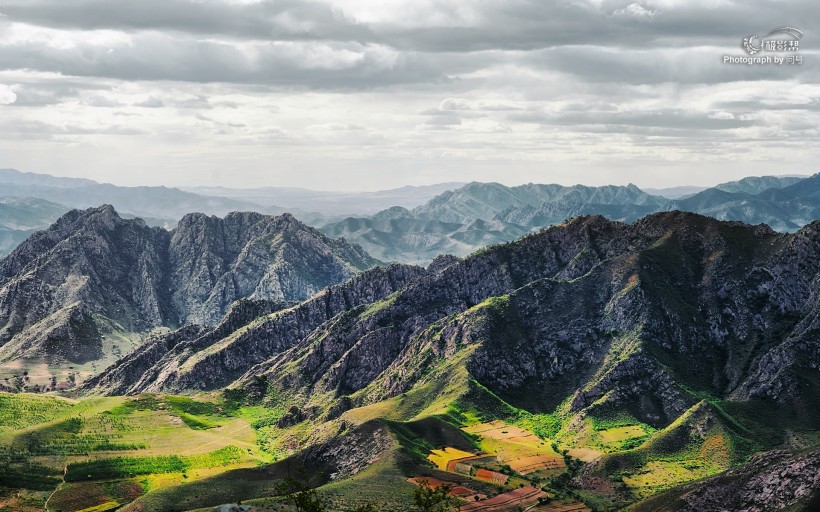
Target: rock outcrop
[(771, 481), (198, 358)]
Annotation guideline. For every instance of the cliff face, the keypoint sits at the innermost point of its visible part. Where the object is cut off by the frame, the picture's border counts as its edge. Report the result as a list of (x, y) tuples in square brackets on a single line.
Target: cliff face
[(217, 261), (112, 266), (94, 271)]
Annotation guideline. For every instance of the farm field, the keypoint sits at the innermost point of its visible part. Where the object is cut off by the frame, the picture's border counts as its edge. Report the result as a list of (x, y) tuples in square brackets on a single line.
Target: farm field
[(521, 497), (100, 453), (563, 506), (584, 454), (156, 452), (512, 461), (617, 434), (442, 458), (462, 492), (520, 449)]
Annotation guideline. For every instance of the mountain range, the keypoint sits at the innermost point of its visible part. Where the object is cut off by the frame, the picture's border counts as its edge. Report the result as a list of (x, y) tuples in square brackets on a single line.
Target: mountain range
[(681, 326), (649, 357), (464, 220), (322, 204), (39, 199), (86, 289), (411, 224)]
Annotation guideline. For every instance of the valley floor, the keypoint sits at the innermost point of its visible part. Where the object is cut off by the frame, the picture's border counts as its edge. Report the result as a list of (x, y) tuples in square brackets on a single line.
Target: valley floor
[(164, 452)]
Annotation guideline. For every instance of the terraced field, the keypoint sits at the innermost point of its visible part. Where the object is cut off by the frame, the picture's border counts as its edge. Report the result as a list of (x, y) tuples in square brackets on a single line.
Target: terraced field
[(618, 434), (109, 451), (521, 450), (509, 500), (442, 458)]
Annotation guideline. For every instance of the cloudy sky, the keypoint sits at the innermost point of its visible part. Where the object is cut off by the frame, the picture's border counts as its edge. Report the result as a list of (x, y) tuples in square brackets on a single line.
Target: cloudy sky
[(366, 94)]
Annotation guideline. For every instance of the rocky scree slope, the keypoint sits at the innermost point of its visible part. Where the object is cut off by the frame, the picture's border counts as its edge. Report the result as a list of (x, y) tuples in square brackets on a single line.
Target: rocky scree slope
[(93, 271)]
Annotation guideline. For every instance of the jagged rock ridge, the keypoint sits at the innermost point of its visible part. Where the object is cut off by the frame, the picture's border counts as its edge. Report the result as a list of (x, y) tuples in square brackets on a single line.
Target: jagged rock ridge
[(95, 271)]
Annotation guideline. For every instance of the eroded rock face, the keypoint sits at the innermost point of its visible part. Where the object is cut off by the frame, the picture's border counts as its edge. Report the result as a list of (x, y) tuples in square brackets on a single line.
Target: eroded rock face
[(201, 358), (770, 481), (217, 261), (93, 264), (110, 265), (69, 335)]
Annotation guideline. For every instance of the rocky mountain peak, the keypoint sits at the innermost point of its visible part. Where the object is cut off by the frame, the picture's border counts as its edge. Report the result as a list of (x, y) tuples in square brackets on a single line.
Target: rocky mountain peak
[(133, 278)]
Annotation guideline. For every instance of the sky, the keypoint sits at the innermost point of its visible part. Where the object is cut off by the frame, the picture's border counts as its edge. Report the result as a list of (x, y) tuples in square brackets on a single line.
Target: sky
[(367, 95)]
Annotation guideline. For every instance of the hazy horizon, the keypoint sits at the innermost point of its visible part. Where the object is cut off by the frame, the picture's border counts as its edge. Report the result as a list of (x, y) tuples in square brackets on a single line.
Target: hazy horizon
[(360, 96), (193, 185)]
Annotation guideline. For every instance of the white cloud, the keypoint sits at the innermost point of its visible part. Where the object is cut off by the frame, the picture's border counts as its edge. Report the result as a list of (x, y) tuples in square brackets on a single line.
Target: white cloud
[(635, 10), (7, 95), (721, 115), (386, 93)]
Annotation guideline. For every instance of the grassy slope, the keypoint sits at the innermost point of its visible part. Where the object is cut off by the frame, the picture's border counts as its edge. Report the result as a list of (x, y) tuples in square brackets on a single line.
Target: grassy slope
[(41, 435)]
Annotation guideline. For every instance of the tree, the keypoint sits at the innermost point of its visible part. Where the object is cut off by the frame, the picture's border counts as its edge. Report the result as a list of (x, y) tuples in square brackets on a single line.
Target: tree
[(434, 500), (302, 497), (365, 508), (309, 500)]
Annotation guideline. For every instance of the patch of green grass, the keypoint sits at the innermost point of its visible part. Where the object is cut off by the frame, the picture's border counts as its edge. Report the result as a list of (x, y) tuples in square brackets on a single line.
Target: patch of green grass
[(141, 403), (480, 405), (18, 471), (67, 438), (196, 414), (196, 422), (545, 426), (374, 307), (19, 411), (483, 404), (120, 467), (187, 405)]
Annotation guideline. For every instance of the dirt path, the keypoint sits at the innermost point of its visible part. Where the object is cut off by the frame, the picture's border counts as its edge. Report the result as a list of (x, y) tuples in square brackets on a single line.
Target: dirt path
[(65, 472)]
